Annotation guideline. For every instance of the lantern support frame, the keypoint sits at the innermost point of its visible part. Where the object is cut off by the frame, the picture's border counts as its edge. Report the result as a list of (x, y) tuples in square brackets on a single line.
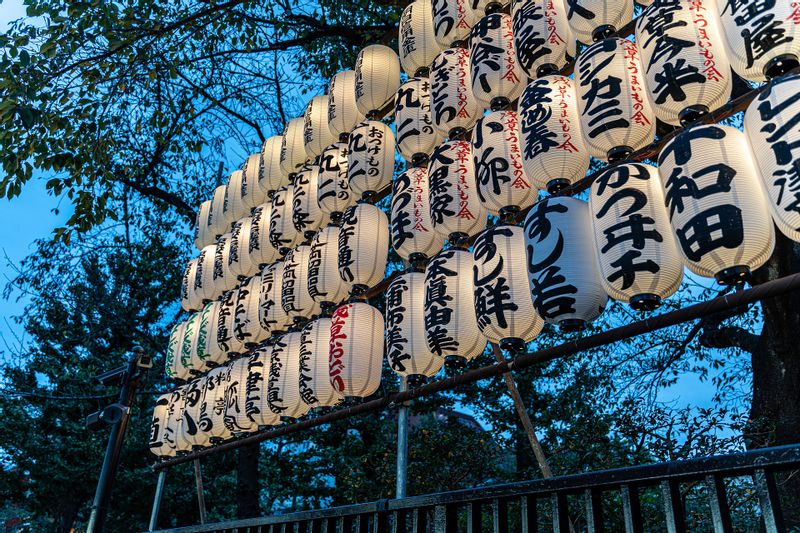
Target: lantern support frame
[(157, 500)]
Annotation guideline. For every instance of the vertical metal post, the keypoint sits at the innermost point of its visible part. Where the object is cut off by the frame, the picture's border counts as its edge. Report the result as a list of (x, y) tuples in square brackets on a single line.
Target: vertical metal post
[(402, 444), (201, 499), (157, 500)]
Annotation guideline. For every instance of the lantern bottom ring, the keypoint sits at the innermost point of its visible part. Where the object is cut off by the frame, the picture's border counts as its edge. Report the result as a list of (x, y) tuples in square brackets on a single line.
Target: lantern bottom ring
[(499, 103), (603, 32), (422, 72), (557, 185), (309, 234), (493, 7), (512, 345), (416, 380), (457, 134), (645, 302), (692, 113), (780, 65), (547, 69), (619, 153), (455, 361), (459, 43), (420, 160), (417, 261), (735, 275), (458, 240), (569, 325)]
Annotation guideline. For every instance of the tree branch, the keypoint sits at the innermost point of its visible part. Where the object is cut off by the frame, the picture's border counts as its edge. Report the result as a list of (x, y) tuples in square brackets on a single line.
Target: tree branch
[(717, 336), (159, 193)]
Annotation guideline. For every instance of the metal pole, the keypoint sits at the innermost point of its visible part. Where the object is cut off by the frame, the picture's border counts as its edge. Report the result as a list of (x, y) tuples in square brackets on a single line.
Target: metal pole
[(201, 499), (402, 444), (157, 500)]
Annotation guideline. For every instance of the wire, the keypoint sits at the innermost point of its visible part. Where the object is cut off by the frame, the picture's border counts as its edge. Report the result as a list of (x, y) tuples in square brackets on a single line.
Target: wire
[(71, 398)]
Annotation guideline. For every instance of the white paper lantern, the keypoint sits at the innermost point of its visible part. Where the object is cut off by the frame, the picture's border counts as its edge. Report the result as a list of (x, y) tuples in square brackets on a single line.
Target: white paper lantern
[(256, 407), (615, 113), (177, 439), (497, 78), (333, 188), (716, 203), (363, 246), (173, 351), (356, 349), (316, 134), (416, 136), (222, 277), (246, 325), (417, 41), (503, 304), (594, 20), (256, 187), (456, 208), (503, 184), (211, 418), (184, 366), (190, 299), (762, 38), (455, 109), (370, 158), (771, 125), (282, 233), (639, 259), (306, 213), (452, 21), (284, 378), (316, 388), (240, 263), (204, 274), (406, 348), (272, 177), (201, 234), (189, 434), (259, 246), (203, 356), (271, 314), (158, 443), (207, 340), (451, 326), (413, 236), (343, 113), (220, 217), (295, 298), (687, 70), (542, 36), (235, 417), (293, 151), (377, 78), (562, 264), (553, 151), (226, 324), (325, 285), (235, 189)]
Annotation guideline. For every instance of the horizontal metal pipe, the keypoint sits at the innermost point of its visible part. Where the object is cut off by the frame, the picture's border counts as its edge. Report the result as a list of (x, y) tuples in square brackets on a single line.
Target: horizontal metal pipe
[(692, 312)]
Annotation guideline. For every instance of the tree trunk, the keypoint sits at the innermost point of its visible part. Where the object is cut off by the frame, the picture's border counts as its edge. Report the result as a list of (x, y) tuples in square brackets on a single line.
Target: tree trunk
[(247, 501)]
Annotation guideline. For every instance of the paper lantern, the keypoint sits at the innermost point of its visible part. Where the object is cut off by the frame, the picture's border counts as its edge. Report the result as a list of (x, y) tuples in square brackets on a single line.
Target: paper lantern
[(201, 235), (615, 113), (207, 339), (295, 298), (762, 38), (202, 355), (417, 42), (256, 187), (687, 71), (316, 388), (235, 417), (594, 20), (356, 349), (211, 418), (272, 177), (451, 326), (343, 113), (240, 262), (256, 407), (722, 224), (639, 260), (456, 208), (246, 324), (416, 136), (562, 264), (325, 285), (316, 134), (377, 79), (553, 152), (306, 213), (406, 348), (333, 188), (204, 274), (158, 442), (282, 233), (190, 299), (173, 352), (542, 37), (271, 314), (370, 158), (184, 365), (284, 378), (226, 323), (503, 184), (236, 189), (293, 151), (771, 126), (413, 236), (455, 109), (259, 247), (503, 304), (188, 431), (220, 217), (363, 246), (452, 22), (223, 279), (497, 78)]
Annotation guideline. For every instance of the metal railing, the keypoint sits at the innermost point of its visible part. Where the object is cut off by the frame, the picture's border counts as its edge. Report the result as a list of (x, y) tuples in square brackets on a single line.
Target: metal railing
[(578, 502)]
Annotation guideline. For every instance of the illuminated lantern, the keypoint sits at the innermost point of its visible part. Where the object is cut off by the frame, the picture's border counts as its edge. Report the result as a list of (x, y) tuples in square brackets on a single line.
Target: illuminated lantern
[(406, 348), (762, 38), (283, 390), (325, 285), (190, 300), (222, 277), (211, 417), (455, 206), (562, 265), (188, 432), (207, 340), (503, 305), (200, 350), (254, 191), (221, 217), (259, 246), (316, 388), (333, 189), (451, 326), (615, 113), (295, 298), (158, 443), (240, 262), (370, 158), (771, 126), (343, 113), (686, 67), (256, 407), (282, 233), (316, 134), (356, 349), (227, 342), (363, 246), (553, 151), (184, 366), (417, 41), (306, 213), (377, 79), (594, 20), (235, 417), (272, 177), (271, 314), (413, 236), (201, 235), (716, 204), (503, 185), (455, 109), (452, 22), (236, 189), (173, 352), (497, 78), (246, 324), (176, 435), (204, 274), (293, 151), (639, 260), (542, 37), (416, 136)]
